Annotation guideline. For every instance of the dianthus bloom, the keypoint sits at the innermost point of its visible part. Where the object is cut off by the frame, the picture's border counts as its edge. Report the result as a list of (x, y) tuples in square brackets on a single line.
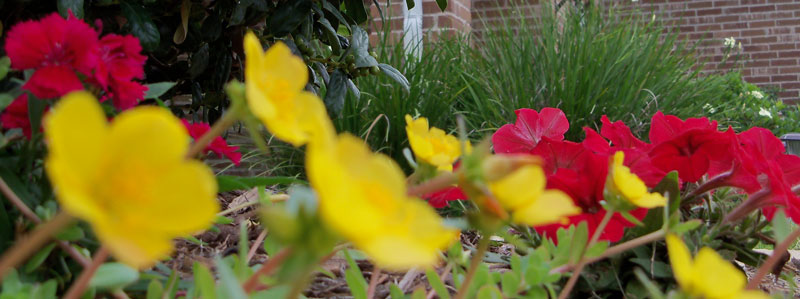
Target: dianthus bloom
[(274, 87), (129, 179), (57, 48), (121, 61), (218, 145), (362, 196), (708, 275), (431, 144), (16, 116)]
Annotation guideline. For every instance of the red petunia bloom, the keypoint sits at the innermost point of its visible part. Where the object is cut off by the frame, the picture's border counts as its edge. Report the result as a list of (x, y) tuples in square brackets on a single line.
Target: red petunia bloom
[(121, 61), (57, 48), (579, 171), (218, 145), (16, 116), (441, 198), (529, 129), (687, 146), (620, 135)]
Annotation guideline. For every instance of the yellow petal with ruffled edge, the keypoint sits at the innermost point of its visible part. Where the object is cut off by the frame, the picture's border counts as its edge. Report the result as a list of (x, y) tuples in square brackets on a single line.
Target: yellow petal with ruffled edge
[(631, 187), (519, 188)]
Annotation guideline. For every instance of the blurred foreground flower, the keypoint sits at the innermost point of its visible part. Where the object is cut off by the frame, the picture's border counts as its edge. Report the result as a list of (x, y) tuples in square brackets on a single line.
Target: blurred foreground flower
[(130, 179), (708, 275), (431, 144), (362, 196), (523, 193), (274, 84)]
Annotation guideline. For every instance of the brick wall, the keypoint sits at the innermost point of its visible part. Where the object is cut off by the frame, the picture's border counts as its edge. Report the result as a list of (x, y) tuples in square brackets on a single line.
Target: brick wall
[(769, 30), (457, 17)]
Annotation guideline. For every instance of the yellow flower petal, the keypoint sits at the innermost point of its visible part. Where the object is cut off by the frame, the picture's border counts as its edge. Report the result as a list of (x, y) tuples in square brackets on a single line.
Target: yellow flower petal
[(432, 145), (76, 132), (681, 261), (133, 183), (630, 187), (552, 206), (716, 277), (650, 200), (520, 188)]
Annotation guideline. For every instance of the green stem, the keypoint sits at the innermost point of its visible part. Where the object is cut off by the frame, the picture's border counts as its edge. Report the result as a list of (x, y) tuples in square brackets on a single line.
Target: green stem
[(28, 245), (475, 261), (582, 262), (79, 286)]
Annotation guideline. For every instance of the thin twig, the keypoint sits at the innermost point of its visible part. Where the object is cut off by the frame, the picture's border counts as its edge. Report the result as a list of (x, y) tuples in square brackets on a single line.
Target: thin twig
[(79, 286), (583, 262), (373, 282), (614, 250), (28, 213), (773, 259), (29, 244), (267, 268), (475, 261), (256, 245)]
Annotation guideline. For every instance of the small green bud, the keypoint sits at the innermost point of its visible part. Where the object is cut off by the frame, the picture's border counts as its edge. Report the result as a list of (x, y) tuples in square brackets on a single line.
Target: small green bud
[(374, 70)]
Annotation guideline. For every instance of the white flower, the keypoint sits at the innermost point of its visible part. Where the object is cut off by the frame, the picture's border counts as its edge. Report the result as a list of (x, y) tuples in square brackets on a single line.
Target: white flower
[(730, 43), (756, 94), (710, 108), (764, 112)]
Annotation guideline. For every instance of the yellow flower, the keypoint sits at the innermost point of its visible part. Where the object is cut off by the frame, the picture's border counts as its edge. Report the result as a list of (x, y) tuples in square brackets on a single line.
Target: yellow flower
[(708, 275), (630, 187), (432, 145), (362, 196), (128, 179), (523, 193), (274, 87)]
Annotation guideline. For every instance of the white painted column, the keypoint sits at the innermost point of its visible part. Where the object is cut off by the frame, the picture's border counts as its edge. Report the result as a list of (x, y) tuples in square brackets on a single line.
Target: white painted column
[(412, 29)]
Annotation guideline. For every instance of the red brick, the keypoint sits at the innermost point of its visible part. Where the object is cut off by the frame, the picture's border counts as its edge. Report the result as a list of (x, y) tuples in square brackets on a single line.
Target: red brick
[(789, 54), (783, 62), (700, 4), (762, 8), (753, 32), (790, 22), (725, 3), (760, 79), (734, 26), (760, 24), (776, 47), (707, 12), (736, 10), (789, 70), (764, 55), (726, 19), (763, 40)]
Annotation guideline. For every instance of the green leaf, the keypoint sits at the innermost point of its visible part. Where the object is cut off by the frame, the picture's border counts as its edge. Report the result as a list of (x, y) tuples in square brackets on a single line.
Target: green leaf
[(336, 92), (579, 241), (204, 281), (112, 276), (442, 4), (489, 292), (141, 25), (36, 109), (355, 10), (39, 258), (395, 292), (72, 233), (46, 290), (288, 15), (353, 88), (230, 183), (781, 227), (510, 282), (393, 73), (199, 61), (597, 249), (223, 220), (330, 35), (656, 268), (436, 283), (333, 10), (74, 6), (5, 66), (229, 286), (669, 187), (683, 227), (359, 44), (354, 277), (155, 289), (5, 100)]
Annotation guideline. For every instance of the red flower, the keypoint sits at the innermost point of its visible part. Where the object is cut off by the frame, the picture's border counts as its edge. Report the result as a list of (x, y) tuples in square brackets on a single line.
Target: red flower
[(780, 194), (53, 82), (52, 41), (56, 48), (121, 61), (440, 199), (529, 129), (686, 146), (620, 134), (614, 231), (218, 146), (16, 116)]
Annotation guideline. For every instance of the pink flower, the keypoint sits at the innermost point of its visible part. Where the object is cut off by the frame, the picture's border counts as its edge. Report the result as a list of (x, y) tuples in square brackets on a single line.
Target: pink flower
[(16, 116), (57, 49), (529, 129), (121, 61), (218, 145)]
